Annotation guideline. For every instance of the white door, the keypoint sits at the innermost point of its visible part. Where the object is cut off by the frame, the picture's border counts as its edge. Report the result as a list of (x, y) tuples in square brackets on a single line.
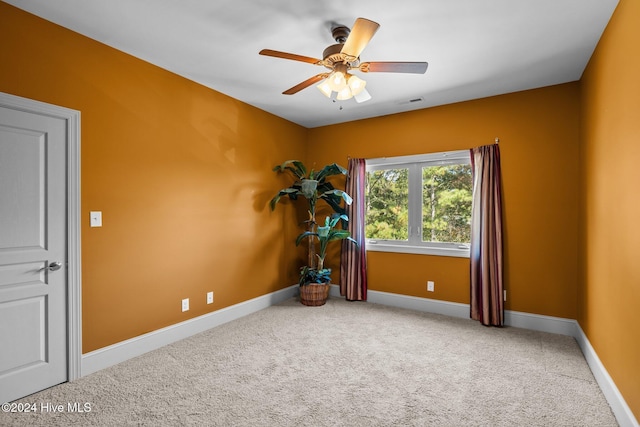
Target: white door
[(33, 252)]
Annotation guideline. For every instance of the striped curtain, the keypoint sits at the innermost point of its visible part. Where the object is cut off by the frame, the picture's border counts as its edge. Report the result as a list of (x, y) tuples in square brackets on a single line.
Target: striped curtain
[(487, 304), (353, 260)]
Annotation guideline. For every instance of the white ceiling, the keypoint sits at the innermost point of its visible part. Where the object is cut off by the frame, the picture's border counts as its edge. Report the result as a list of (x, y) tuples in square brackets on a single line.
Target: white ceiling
[(475, 48)]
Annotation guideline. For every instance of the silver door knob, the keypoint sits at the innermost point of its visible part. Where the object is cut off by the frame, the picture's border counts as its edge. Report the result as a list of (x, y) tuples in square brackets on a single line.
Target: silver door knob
[(55, 266)]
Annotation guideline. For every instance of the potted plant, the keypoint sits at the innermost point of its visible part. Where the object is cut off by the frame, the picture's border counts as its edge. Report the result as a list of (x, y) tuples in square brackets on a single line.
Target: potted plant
[(314, 186), (314, 282)]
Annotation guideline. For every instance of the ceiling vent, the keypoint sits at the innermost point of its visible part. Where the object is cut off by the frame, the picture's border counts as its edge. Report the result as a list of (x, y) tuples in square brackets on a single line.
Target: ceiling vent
[(412, 101)]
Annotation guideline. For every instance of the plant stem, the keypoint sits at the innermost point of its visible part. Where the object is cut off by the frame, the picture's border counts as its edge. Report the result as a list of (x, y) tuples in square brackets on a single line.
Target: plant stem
[(311, 240)]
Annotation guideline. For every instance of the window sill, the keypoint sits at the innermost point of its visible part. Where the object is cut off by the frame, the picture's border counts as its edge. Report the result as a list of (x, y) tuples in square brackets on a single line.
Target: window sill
[(421, 250)]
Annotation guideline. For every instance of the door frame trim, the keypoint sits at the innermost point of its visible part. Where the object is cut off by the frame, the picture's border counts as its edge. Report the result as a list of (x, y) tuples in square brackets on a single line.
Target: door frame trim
[(74, 266)]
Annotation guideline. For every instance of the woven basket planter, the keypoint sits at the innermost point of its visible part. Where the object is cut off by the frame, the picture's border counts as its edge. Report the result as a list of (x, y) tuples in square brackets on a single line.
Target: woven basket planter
[(314, 294)]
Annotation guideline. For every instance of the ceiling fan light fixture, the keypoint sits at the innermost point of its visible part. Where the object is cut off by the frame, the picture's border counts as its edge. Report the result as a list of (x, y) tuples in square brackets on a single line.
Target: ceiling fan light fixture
[(325, 88), (362, 96), (356, 84), (337, 81), (344, 94), (345, 85)]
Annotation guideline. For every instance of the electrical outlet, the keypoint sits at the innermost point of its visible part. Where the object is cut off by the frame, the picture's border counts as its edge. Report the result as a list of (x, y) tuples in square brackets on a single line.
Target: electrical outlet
[(209, 297), (431, 286), (504, 292), (185, 304)]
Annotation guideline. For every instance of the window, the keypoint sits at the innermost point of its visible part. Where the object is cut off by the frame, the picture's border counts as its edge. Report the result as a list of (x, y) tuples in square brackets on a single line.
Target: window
[(420, 204)]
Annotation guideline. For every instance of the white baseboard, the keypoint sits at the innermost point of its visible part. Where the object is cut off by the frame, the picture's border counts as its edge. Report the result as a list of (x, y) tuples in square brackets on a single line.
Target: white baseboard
[(116, 353), (452, 309), (536, 322), (542, 323), (618, 405), (334, 291)]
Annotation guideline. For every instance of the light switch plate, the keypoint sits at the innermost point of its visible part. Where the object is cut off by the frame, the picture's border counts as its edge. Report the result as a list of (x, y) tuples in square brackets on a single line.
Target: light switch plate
[(96, 219)]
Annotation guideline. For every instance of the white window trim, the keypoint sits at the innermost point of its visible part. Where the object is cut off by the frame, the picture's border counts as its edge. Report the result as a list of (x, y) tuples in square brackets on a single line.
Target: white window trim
[(415, 245)]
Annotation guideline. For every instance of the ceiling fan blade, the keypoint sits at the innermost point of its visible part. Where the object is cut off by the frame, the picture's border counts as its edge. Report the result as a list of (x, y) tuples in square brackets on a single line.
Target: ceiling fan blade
[(394, 67), (291, 56), (305, 84), (362, 31)]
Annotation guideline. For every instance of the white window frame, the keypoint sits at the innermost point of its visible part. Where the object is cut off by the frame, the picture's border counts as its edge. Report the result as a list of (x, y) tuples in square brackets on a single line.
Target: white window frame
[(414, 244)]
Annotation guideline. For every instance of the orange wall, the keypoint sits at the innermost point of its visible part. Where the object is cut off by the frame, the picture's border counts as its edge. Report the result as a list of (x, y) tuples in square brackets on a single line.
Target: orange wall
[(610, 235), (538, 133), (181, 173)]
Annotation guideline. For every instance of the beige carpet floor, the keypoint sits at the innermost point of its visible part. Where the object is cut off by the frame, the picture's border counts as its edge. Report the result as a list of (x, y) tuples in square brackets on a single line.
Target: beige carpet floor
[(342, 364)]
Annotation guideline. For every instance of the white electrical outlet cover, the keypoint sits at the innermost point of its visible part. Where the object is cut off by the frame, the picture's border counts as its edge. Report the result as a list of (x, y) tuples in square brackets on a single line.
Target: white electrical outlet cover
[(96, 218)]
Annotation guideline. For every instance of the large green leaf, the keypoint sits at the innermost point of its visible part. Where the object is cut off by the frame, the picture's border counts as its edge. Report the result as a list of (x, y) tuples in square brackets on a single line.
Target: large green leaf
[(334, 199), (333, 220), (303, 235), (337, 194), (330, 170), (324, 186), (308, 187), (335, 205), (353, 241), (338, 235), (296, 167), (291, 192)]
